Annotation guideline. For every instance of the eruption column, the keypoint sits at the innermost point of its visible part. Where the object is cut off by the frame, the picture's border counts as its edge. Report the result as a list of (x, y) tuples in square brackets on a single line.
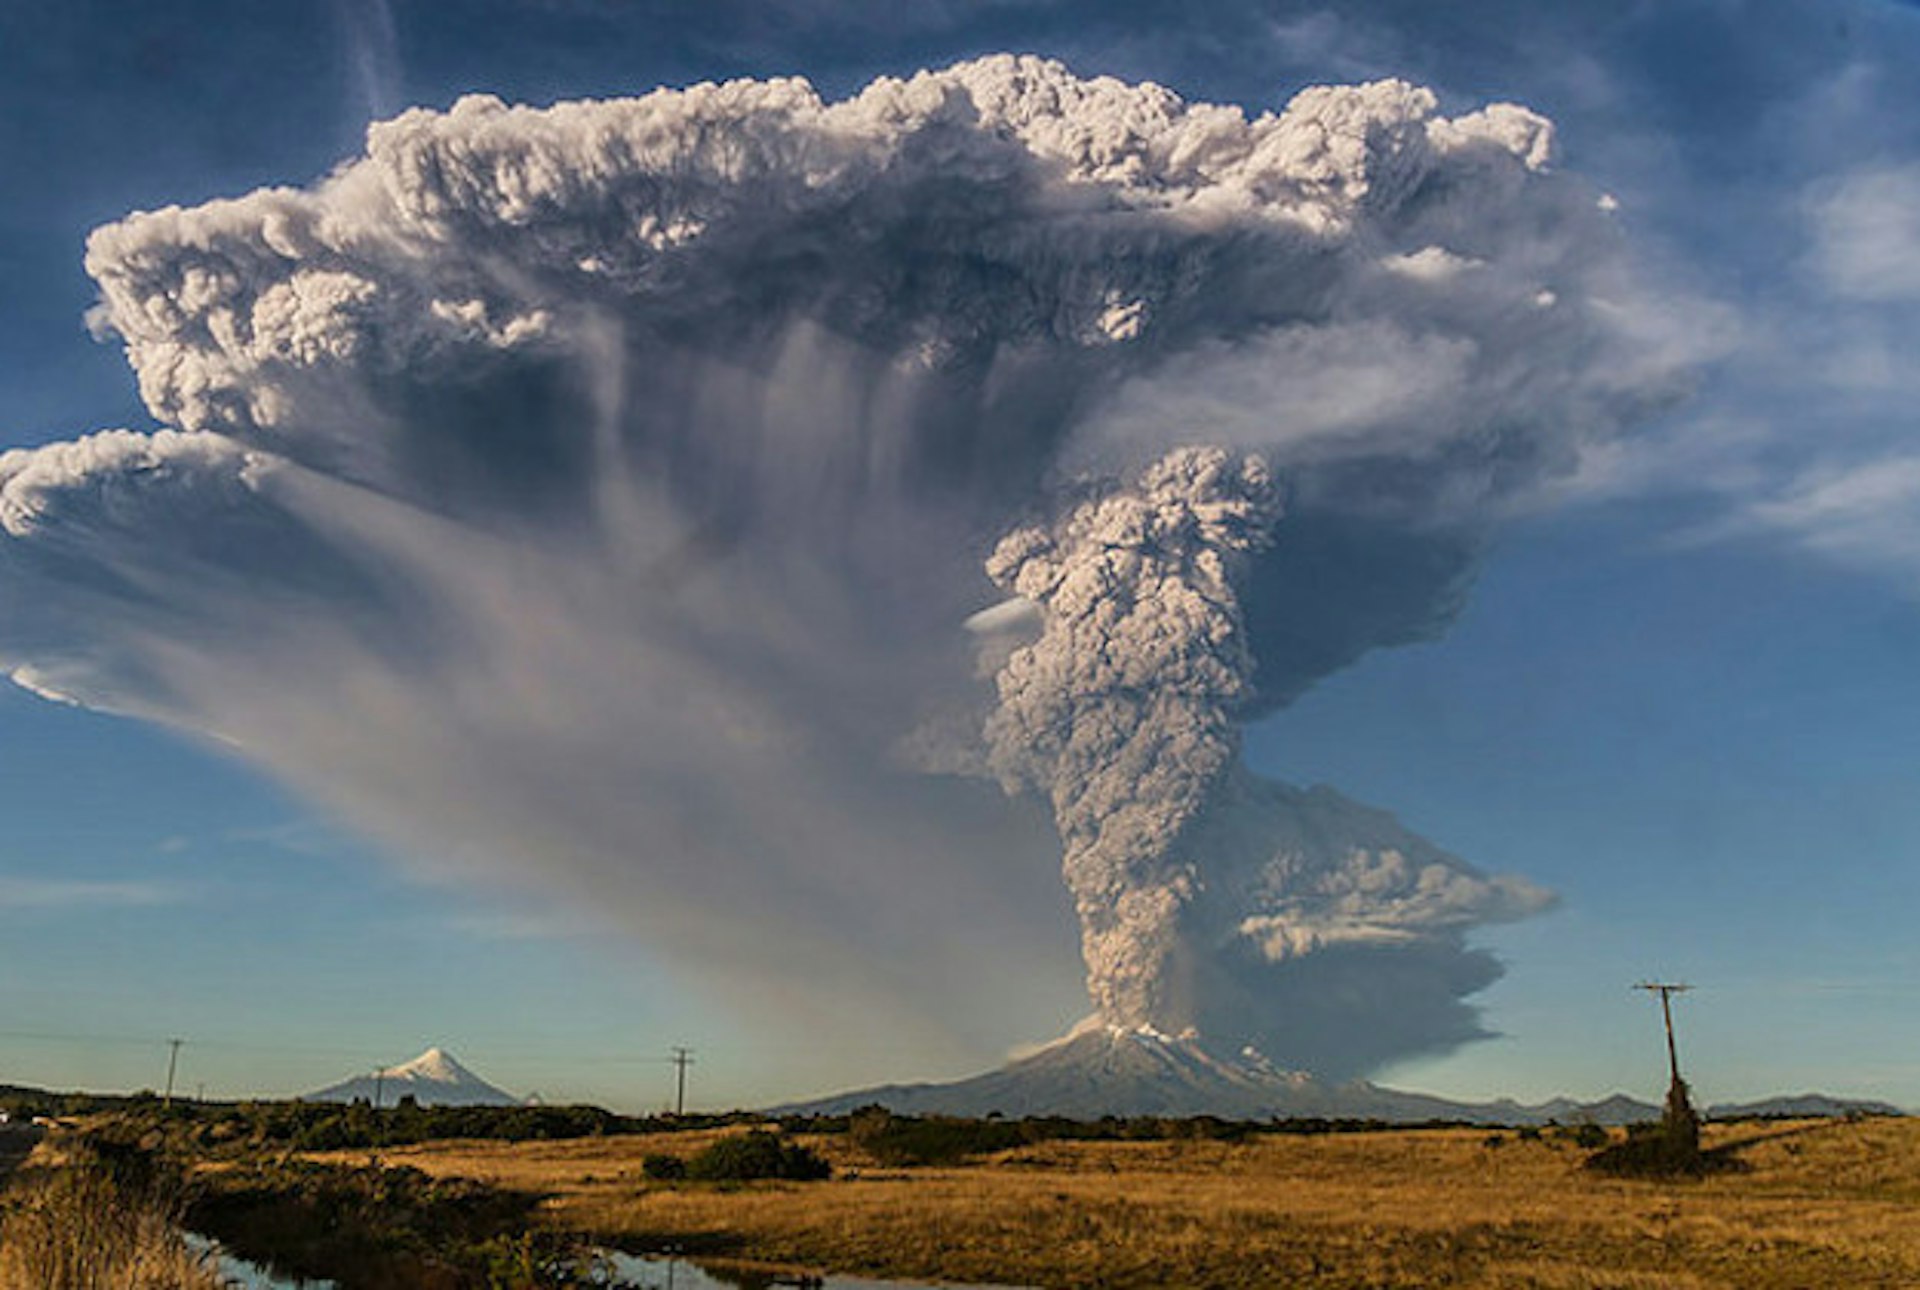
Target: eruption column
[(1122, 711)]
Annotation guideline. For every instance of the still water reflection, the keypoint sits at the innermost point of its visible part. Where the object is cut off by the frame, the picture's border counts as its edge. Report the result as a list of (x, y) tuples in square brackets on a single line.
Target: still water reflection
[(238, 1274), (659, 1272), (610, 1269)]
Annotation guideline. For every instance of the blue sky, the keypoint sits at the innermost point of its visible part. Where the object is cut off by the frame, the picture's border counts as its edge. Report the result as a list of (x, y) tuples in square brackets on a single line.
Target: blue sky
[(1683, 698)]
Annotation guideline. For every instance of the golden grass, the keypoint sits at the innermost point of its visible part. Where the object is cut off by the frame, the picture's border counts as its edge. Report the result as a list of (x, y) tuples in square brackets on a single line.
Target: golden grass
[(68, 1226), (1820, 1204)]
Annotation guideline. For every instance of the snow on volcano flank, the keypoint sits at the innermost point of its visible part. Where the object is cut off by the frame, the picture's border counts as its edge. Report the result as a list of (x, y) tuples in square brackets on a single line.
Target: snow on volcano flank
[(588, 499), (434, 1078)]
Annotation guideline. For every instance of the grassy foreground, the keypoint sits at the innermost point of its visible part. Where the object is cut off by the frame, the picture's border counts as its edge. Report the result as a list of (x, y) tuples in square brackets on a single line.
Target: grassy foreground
[(1816, 1203), (81, 1223)]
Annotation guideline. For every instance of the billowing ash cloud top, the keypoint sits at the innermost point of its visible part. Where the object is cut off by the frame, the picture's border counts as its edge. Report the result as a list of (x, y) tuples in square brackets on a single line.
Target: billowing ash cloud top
[(592, 497)]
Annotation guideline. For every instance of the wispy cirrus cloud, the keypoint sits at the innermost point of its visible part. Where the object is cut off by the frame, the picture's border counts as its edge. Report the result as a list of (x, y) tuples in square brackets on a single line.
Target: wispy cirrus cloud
[(60, 894), (1867, 232), (1867, 515), (1805, 438)]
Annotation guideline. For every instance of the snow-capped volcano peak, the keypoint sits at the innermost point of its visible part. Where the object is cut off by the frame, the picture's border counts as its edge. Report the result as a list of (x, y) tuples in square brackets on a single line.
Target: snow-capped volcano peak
[(434, 1064), (434, 1078), (1099, 1069)]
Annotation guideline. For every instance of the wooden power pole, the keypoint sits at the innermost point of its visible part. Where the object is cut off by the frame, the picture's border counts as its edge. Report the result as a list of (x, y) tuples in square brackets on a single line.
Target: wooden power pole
[(1666, 991), (682, 1058), (173, 1061)]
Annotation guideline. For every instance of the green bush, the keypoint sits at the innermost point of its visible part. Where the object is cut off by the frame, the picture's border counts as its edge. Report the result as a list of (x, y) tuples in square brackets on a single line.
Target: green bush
[(934, 1140), (756, 1154), (1589, 1136), (661, 1167), (1667, 1149), (367, 1226)]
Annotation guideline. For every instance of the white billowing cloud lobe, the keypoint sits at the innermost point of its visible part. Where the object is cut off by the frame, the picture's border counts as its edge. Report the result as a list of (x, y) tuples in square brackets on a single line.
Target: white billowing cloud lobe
[(593, 497)]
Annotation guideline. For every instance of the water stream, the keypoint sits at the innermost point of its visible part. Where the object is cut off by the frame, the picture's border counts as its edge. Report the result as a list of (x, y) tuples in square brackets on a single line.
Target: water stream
[(664, 1272), (239, 1274), (612, 1270)]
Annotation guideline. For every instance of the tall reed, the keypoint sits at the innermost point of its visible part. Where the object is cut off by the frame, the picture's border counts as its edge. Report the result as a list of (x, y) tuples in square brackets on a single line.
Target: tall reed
[(79, 1226)]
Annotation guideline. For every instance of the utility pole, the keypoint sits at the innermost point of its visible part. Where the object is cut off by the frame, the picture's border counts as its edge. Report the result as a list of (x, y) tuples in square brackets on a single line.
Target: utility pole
[(379, 1079), (1676, 1149), (1666, 992), (682, 1058), (173, 1061)]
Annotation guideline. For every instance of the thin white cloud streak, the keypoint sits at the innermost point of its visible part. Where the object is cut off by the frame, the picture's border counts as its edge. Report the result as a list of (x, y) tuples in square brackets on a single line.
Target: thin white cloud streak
[(1748, 479), (1867, 232), (1866, 516), (372, 41), (1806, 442), (58, 894)]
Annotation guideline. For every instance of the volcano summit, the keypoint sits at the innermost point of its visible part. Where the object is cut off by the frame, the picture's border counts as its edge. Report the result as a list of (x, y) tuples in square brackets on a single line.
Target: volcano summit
[(434, 1078), (1102, 1071)]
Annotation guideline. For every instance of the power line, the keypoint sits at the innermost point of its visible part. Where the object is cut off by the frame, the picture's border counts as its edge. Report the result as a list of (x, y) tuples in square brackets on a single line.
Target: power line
[(132, 1040), (48, 1036), (364, 1053)]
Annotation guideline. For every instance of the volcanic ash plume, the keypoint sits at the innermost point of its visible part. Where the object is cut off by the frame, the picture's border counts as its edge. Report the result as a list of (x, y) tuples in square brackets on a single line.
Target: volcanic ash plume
[(1123, 711), (1198, 887), (587, 500)]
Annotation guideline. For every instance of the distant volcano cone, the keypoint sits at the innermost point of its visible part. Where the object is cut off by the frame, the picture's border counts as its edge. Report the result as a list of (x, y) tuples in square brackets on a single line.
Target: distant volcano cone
[(1103, 1070), (434, 1078)]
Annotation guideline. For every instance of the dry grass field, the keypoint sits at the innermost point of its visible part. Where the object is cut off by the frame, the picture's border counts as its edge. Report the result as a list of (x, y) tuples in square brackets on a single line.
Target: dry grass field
[(67, 1224), (1814, 1204)]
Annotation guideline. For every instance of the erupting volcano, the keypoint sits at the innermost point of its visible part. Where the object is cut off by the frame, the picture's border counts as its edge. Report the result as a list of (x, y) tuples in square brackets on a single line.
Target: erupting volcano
[(722, 509)]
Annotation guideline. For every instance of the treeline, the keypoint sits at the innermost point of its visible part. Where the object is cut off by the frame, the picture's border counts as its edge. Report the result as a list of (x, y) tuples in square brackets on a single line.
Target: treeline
[(25, 1103), (889, 1138), (938, 1139), (328, 1126), (320, 1126)]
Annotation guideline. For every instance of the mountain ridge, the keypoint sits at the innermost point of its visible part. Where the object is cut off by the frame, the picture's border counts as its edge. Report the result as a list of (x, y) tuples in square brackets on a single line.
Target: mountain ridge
[(1101, 1071)]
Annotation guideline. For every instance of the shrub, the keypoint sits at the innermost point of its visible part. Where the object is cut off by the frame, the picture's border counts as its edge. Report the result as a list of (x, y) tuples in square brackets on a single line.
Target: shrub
[(661, 1167), (368, 1226), (1589, 1135), (756, 1154), (935, 1140), (1667, 1149)]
